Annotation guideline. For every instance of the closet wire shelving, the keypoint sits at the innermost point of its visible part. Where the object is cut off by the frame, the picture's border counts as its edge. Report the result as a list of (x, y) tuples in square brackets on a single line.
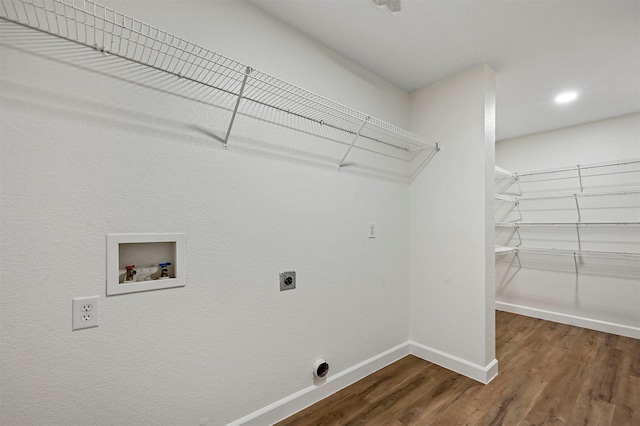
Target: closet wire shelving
[(578, 253), (113, 33)]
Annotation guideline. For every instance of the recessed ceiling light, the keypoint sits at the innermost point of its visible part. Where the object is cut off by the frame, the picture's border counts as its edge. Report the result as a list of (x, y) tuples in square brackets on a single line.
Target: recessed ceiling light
[(565, 97)]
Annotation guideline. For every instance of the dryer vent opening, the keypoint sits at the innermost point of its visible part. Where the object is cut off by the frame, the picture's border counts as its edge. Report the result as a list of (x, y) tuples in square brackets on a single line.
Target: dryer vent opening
[(321, 368)]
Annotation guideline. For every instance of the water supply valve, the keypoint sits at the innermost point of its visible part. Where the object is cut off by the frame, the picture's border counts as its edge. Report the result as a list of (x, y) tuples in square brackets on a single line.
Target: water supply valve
[(131, 272), (164, 270)]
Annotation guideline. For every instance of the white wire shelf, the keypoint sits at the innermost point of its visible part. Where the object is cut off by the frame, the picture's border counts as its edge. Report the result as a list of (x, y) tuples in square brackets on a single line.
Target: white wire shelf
[(113, 33), (573, 224), (502, 197), (504, 172), (501, 250), (515, 198), (568, 252)]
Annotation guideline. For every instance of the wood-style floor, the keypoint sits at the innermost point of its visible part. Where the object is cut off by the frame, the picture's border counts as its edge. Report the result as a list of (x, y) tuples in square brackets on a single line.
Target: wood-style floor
[(550, 373)]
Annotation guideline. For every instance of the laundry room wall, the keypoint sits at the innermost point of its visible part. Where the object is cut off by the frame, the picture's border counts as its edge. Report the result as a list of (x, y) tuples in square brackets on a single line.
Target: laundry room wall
[(93, 145)]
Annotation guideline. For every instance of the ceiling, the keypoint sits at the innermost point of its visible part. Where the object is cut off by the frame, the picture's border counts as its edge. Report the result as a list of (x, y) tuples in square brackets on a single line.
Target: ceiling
[(537, 48)]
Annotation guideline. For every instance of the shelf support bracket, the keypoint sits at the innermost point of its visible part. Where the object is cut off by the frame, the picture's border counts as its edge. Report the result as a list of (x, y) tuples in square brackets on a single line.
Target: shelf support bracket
[(580, 178), (579, 246), (355, 138), (516, 179), (519, 236), (235, 108), (517, 203)]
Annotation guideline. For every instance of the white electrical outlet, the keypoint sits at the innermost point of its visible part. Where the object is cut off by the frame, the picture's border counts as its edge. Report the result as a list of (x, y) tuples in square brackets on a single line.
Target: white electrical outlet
[(85, 312)]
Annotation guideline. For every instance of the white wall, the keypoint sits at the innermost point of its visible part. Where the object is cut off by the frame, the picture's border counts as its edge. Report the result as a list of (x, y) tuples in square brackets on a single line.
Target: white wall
[(605, 294), (85, 154), (452, 266)]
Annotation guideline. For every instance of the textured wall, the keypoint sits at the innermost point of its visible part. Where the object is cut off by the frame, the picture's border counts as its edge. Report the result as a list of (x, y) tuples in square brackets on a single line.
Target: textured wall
[(451, 220), (605, 290), (85, 154)]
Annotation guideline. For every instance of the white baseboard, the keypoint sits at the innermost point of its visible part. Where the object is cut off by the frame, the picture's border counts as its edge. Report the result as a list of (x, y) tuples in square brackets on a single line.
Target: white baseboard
[(483, 374), (592, 324), (290, 405)]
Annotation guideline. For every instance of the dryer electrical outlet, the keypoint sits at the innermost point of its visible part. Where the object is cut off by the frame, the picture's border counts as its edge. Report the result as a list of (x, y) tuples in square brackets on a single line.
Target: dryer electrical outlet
[(85, 312), (287, 280)]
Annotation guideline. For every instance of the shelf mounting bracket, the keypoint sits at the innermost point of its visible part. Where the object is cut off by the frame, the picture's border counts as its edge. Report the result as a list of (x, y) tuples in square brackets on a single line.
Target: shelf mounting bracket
[(235, 108), (580, 177), (355, 137), (575, 196)]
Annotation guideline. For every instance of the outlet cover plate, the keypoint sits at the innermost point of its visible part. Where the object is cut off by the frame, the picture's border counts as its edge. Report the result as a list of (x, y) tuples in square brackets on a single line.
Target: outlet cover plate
[(287, 280), (85, 312)]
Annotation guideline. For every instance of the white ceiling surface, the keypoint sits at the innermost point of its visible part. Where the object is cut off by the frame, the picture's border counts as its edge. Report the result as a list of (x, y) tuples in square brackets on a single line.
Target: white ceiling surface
[(538, 48)]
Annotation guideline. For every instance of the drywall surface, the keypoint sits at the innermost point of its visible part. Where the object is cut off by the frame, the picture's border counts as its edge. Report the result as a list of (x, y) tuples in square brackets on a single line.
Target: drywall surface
[(92, 145), (604, 290), (452, 219)]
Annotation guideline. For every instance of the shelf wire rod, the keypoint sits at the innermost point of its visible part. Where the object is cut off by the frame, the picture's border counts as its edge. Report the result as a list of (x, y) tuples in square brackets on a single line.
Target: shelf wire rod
[(84, 25), (355, 137), (95, 25), (136, 41), (174, 44), (187, 58), (421, 148), (225, 80), (310, 98), (120, 32), (121, 56), (185, 62), (165, 49), (417, 152), (155, 47), (35, 13), (27, 14), (203, 69), (193, 64), (161, 42), (342, 129), (288, 96), (338, 121)]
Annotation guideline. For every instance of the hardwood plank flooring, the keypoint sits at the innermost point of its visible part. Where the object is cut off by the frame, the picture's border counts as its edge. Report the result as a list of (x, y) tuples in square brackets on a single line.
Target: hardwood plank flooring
[(550, 373)]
